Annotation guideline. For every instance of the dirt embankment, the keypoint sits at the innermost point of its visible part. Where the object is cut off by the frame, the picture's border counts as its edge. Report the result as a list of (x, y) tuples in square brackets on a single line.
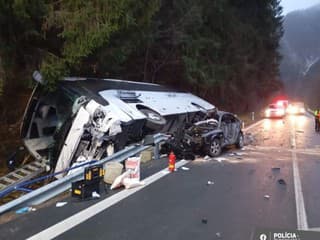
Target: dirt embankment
[(11, 112)]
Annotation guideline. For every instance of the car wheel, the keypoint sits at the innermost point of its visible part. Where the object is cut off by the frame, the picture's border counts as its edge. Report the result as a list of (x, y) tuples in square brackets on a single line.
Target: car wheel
[(154, 120), (240, 141), (214, 148)]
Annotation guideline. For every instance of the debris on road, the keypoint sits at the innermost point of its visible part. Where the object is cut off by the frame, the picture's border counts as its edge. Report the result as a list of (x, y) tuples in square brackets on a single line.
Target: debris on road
[(300, 131), (249, 139), (210, 182), (131, 177), (95, 195), (118, 182), (25, 210), (220, 159), (132, 183), (133, 165), (218, 234), (185, 168), (282, 182), (61, 204), (112, 171), (275, 168), (207, 158), (204, 220), (266, 196), (236, 154)]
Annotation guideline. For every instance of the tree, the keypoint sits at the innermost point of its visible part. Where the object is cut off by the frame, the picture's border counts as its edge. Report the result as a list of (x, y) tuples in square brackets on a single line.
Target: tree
[(85, 26), (20, 38)]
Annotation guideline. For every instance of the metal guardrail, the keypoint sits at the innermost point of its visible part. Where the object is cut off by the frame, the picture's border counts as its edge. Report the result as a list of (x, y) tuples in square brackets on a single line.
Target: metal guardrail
[(53, 189)]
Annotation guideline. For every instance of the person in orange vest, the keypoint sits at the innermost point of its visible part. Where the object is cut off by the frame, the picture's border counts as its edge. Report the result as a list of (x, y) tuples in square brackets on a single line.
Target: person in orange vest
[(316, 120)]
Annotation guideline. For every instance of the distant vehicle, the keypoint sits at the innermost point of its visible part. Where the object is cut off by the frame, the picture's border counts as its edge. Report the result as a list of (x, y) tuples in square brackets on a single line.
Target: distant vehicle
[(296, 108), (209, 136), (283, 103), (275, 111), (83, 118)]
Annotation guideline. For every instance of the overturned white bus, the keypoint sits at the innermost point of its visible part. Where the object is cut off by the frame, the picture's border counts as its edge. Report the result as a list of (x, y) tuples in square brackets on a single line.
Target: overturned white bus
[(83, 117)]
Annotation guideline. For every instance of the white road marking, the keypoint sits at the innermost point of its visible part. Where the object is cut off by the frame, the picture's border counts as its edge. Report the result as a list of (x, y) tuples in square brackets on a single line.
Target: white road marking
[(253, 125), (87, 213), (302, 223), (316, 229)]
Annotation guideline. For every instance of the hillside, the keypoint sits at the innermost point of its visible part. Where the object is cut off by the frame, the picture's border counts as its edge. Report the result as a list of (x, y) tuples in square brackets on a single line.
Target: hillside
[(300, 49)]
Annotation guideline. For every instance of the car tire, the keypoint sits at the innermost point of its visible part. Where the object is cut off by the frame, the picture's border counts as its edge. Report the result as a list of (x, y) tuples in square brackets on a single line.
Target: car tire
[(154, 120), (214, 148), (240, 141)]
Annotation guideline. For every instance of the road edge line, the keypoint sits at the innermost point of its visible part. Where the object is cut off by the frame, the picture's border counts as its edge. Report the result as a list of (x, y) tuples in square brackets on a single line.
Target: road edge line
[(253, 125), (302, 223), (78, 218)]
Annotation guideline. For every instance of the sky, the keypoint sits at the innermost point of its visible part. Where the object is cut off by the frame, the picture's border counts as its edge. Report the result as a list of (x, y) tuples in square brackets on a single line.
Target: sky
[(291, 5)]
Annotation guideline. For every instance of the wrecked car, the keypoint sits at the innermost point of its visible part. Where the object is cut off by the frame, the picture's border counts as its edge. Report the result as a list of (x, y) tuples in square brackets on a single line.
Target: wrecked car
[(85, 119), (210, 135)]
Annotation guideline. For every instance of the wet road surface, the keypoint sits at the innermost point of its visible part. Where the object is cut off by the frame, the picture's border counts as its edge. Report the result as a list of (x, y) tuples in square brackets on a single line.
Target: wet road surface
[(246, 194)]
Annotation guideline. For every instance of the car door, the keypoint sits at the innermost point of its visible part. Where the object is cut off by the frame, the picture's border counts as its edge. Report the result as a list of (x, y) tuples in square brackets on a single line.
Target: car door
[(234, 129), (225, 127)]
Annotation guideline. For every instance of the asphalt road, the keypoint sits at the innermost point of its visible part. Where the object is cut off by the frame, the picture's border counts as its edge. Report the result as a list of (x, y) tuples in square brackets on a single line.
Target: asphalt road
[(246, 195)]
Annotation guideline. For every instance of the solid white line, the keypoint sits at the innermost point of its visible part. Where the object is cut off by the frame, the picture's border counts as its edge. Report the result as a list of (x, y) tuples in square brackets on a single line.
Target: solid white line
[(302, 223), (315, 229), (87, 213), (254, 125)]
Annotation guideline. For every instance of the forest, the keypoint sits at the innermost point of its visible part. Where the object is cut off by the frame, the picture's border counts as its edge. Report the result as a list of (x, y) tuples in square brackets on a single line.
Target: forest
[(225, 51)]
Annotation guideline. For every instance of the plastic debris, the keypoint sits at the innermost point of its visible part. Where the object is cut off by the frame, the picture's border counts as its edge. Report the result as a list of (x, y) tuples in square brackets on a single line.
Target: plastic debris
[(61, 204), (204, 220), (25, 210), (210, 183), (185, 168), (266, 196), (133, 165), (218, 234), (207, 157), (118, 181), (282, 182), (130, 178), (95, 194), (220, 159), (239, 154)]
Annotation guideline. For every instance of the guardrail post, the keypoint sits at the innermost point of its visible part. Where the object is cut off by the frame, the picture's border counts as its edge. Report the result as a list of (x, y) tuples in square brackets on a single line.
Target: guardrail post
[(252, 116), (156, 151)]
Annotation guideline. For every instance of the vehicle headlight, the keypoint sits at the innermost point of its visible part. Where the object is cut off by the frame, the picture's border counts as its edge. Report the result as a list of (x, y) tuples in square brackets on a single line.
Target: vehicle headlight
[(280, 111), (267, 113)]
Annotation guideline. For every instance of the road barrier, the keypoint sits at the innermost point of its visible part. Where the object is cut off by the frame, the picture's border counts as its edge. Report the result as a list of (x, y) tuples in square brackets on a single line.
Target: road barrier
[(57, 187)]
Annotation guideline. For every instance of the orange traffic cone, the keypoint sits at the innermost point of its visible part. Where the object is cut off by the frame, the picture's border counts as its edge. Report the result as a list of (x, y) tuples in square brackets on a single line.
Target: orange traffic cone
[(172, 161)]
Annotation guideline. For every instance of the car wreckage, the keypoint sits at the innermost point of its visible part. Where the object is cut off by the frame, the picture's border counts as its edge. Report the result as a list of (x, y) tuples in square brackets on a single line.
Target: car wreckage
[(84, 119), (217, 130)]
